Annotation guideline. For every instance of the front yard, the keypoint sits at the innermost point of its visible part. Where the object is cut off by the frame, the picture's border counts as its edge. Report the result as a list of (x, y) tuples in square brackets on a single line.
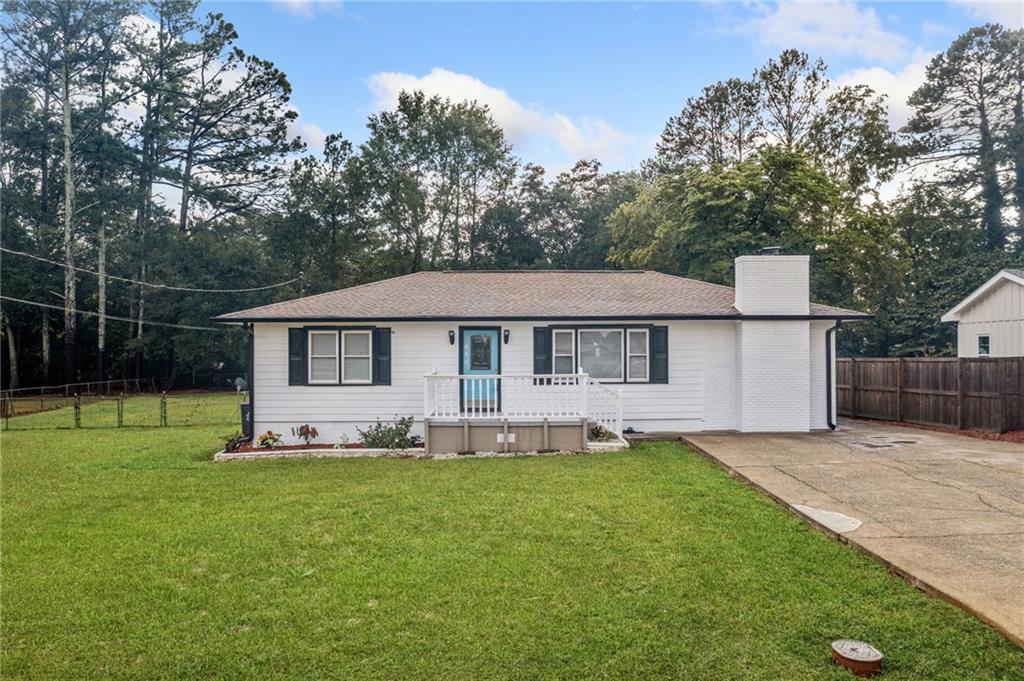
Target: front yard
[(127, 553)]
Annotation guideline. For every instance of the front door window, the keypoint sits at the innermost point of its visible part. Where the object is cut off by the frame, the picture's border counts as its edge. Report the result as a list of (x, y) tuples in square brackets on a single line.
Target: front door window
[(480, 386), (480, 352)]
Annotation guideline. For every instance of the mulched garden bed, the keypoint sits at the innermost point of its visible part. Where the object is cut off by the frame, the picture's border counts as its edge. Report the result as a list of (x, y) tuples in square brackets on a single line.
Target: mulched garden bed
[(250, 447)]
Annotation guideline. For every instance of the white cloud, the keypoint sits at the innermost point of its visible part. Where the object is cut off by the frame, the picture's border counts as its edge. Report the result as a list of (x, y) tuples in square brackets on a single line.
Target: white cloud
[(840, 28), (306, 9), (311, 133), (524, 125), (1009, 14), (897, 84)]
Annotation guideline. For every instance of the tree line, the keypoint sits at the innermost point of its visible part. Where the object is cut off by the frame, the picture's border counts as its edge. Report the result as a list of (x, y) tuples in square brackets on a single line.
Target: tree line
[(149, 173)]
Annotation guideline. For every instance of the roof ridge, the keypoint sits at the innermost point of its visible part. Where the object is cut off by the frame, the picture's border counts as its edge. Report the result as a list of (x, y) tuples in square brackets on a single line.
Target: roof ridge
[(539, 271), (695, 281)]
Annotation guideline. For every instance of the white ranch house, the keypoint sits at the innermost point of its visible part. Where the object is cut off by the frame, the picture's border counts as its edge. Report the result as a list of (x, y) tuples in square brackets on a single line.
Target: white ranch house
[(530, 359), (990, 321)]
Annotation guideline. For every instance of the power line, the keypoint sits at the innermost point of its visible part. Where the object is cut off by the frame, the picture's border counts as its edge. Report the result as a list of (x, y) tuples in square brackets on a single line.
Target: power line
[(165, 287), (114, 317)]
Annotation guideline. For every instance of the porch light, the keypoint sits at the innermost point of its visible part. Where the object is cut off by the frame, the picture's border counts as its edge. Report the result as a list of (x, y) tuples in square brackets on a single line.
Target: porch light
[(506, 335), (451, 337)]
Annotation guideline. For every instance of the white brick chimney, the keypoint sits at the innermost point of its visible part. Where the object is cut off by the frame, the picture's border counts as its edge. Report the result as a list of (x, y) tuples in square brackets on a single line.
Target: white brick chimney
[(773, 356), (770, 284)]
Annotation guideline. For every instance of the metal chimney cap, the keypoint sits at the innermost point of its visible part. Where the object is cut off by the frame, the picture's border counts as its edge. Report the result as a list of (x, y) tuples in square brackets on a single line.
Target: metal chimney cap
[(771, 250)]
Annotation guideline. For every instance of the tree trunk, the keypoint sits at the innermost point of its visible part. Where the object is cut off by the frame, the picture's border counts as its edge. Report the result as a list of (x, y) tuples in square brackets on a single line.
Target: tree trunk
[(186, 181), (69, 215), (43, 227), (45, 346), (12, 355), (138, 327), (991, 194), (101, 320), (1017, 146)]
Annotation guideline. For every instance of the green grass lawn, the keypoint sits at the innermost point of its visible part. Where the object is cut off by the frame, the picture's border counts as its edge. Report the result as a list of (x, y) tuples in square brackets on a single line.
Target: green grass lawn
[(129, 554)]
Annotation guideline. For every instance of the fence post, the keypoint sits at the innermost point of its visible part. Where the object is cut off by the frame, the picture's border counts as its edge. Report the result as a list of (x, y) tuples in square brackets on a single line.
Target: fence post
[(853, 387), (163, 408), (899, 389), (1002, 387), (78, 410), (120, 410), (960, 364)]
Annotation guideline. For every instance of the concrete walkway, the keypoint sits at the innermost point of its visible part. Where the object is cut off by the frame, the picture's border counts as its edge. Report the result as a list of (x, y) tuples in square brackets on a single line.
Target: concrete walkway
[(944, 511)]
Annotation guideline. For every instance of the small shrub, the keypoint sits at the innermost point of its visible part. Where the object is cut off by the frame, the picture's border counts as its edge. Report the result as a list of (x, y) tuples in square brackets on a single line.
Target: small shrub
[(599, 434), (268, 439), (235, 442), (395, 435), (305, 432)]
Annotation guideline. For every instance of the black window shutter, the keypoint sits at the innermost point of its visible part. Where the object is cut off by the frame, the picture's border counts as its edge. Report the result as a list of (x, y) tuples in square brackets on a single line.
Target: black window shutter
[(659, 354), (297, 357), (541, 350), (382, 356)]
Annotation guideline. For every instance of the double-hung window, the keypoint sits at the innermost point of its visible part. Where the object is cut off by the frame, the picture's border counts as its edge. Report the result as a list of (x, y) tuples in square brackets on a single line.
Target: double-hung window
[(323, 356), (564, 354), (344, 357), (601, 353), (356, 352), (638, 362)]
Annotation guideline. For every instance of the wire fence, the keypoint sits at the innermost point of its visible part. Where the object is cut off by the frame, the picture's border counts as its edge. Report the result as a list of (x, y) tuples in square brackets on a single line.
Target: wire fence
[(122, 411), (117, 386)]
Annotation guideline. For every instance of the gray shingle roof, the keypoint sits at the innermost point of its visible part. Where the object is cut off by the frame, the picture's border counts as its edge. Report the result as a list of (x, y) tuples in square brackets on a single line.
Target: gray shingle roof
[(533, 294), (1015, 271)]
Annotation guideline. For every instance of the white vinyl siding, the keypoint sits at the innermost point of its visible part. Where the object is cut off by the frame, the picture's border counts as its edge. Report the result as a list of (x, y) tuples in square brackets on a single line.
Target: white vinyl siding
[(323, 357), (420, 347), (357, 354), (638, 361)]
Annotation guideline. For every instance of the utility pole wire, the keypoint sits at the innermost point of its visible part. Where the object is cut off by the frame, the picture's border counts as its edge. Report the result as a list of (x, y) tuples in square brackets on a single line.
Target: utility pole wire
[(115, 318), (165, 287)]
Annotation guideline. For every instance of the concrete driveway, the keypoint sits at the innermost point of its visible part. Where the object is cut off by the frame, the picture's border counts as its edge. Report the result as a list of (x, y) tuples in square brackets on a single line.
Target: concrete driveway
[(944, 511)]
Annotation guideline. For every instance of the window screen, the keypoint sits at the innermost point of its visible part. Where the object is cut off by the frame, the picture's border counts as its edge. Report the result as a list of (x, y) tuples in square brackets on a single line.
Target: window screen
[(323, 356), (355, 357)]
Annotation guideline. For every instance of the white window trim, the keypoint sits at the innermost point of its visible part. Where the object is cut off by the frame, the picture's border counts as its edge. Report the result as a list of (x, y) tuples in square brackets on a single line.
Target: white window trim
[(989, 338), (311, 356), (342, 355), (572, 350), (646, 354), (622, 357)]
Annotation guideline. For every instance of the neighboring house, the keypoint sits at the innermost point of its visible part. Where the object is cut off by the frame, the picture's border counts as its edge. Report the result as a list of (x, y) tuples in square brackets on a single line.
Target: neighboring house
[(475, 353), (990, 321)]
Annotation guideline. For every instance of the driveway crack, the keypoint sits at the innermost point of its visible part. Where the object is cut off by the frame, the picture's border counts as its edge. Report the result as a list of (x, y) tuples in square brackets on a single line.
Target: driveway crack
[(958, 488)]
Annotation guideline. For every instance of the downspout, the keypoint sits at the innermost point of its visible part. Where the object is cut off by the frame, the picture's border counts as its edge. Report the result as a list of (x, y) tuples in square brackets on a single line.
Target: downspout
[(250, 375), (829, 335)]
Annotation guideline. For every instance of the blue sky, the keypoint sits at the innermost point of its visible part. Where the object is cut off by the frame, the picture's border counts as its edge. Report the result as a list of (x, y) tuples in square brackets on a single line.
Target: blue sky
[(579, 80)]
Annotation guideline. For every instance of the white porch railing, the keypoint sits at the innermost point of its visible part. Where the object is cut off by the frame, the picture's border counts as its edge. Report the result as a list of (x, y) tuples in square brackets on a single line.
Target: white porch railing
[(522, 396)]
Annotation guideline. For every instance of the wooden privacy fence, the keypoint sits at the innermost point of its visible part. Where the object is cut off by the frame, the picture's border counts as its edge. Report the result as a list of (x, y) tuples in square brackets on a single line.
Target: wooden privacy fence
[(984, 393)]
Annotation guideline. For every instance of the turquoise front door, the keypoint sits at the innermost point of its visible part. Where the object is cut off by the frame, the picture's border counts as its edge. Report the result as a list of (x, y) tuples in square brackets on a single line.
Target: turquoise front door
[(480, 357)]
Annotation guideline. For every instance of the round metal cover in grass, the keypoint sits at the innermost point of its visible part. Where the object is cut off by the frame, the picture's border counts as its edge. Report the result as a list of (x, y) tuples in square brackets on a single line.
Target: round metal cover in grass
[(859, 657)]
